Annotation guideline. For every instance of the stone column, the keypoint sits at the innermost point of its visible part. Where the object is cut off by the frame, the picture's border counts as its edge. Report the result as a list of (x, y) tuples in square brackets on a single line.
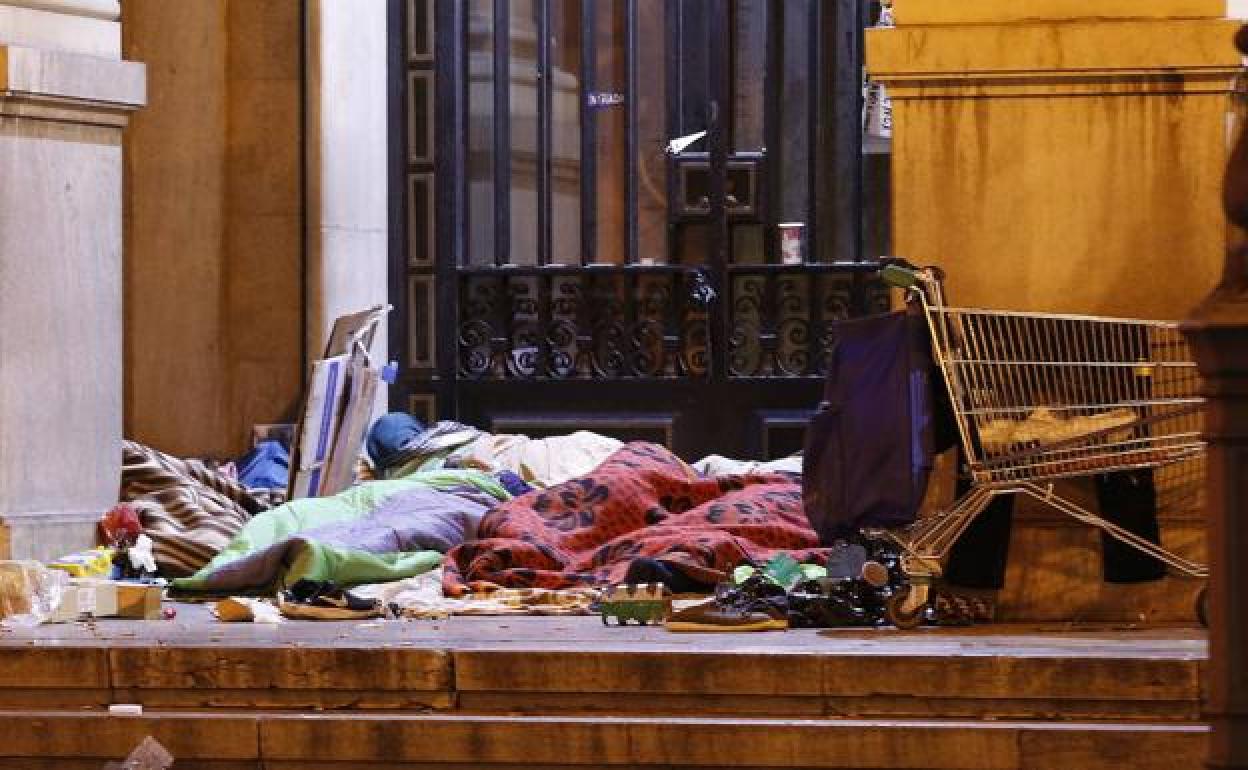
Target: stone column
[(347, 165), (65, 95), (1219, 332)]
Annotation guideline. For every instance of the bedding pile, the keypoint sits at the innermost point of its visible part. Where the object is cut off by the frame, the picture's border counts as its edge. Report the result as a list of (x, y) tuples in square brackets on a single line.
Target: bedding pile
[(190, 511), (643, 502), (372, 532), (463, 522)]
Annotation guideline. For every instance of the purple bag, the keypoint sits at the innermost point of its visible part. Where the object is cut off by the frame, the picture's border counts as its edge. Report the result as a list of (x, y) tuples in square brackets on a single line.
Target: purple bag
[(870, 447)]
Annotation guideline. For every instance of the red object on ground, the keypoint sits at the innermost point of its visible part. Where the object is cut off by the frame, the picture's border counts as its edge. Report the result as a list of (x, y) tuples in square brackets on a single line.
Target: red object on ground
[(169, 612), (121, 526), (642, 502)]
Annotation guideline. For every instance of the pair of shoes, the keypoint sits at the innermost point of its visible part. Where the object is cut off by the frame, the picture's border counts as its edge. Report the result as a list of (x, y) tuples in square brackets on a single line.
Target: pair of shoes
[(715, 616), (324, 600)]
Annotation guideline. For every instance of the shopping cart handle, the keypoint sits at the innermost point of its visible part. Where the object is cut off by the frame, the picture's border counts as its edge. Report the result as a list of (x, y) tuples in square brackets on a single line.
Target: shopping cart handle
[(899, 277)]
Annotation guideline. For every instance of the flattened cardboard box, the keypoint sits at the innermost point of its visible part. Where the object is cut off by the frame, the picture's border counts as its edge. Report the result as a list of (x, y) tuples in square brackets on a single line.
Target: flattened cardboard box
[(338, 408)]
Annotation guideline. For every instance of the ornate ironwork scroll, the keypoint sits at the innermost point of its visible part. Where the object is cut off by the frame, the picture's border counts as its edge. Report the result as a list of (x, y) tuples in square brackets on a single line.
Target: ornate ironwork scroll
[(581, 325), (793, 355), (480, 311), (745, 349), (524, 353), (562, 333), (590, 324), (784, 323)]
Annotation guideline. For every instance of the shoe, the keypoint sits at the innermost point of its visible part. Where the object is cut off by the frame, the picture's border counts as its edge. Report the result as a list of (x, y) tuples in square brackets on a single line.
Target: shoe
[(712, 616), (323, 600), (644, 570)]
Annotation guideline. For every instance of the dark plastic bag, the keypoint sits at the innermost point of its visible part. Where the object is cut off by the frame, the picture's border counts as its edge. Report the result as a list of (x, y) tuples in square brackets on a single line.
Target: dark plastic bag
[(885, 416)]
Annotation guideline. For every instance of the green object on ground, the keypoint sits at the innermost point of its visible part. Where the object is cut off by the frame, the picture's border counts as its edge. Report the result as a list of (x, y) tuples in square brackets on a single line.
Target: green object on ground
[(782, 570), (742, 574)]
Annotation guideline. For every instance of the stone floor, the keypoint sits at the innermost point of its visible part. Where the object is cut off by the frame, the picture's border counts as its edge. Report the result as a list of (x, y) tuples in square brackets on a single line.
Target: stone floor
[(195, 625), (568, 692)]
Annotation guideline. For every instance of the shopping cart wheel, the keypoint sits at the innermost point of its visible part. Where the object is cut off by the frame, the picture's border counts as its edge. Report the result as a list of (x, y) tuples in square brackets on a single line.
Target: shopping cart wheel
[(896, 613), (1202, 606)]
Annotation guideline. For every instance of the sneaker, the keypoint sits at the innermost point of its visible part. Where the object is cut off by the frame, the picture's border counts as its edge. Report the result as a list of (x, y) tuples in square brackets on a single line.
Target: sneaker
[(323, 600), (712, 616)]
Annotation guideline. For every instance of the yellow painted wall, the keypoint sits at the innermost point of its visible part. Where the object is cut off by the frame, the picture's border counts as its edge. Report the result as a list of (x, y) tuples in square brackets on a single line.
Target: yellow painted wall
[(1068, 166), (213, 222), (1053, 162), (1083, 204)]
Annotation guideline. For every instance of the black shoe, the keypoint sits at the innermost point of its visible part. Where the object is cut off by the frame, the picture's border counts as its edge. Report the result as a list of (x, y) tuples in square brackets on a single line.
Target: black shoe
[(323, 600), (644, 570)]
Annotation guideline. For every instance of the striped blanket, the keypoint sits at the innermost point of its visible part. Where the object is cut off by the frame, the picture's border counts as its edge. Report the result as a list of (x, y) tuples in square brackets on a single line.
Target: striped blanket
[(189, 510)]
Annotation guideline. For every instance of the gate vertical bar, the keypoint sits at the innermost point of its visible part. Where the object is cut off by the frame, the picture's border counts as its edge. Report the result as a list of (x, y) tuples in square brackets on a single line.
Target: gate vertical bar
[(451, 203), (630, 106), (718, 33), (773, 92), (589, 133), (545, 86), (502, 132), (838, 132)]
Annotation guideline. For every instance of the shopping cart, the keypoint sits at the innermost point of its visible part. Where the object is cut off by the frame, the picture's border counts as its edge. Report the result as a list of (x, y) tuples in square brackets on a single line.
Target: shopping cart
[(1040, 397)]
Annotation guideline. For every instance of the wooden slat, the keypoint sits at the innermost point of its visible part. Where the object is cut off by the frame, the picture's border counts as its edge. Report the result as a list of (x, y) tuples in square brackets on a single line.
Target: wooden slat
[(641, 704), (308, 740), (97, 735), (262, 698), (639, 742), (928, 707), (1140, 749), (67, 668), (1003, 676), (294, 668), (795, 674), (29, 763), (634, 672), (855, 707), (59, 698)]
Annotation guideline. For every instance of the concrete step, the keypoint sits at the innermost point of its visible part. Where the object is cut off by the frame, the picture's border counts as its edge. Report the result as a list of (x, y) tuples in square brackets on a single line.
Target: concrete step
[(338, 740)]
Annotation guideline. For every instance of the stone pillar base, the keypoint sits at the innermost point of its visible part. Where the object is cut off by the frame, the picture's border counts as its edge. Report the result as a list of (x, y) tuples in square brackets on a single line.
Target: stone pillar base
[(65, 97), (46, 535)]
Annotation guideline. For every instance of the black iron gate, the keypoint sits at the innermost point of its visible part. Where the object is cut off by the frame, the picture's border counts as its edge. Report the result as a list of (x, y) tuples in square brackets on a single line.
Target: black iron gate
[(639, 217)]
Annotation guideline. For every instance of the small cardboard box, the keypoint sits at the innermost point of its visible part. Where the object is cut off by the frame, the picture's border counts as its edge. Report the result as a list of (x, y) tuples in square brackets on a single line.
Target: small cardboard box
[(88, 597), (139, 601)]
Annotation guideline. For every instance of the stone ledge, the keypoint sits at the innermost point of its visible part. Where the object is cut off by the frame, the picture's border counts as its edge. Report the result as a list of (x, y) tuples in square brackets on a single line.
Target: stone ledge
[(109, 10), (45, 535), (72, 78), (997, 12), (37, 28), (1045, 51)]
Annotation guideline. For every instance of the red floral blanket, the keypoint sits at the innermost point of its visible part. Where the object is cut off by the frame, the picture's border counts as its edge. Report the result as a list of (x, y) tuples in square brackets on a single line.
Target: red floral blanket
[(642, 502)]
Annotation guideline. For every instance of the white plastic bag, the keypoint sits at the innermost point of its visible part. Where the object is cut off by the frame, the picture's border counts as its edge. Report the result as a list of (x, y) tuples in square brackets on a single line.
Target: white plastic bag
[(29, 592)]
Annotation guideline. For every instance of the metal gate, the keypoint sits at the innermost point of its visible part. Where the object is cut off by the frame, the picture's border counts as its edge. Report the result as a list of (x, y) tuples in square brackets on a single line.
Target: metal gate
[(640, 217)]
